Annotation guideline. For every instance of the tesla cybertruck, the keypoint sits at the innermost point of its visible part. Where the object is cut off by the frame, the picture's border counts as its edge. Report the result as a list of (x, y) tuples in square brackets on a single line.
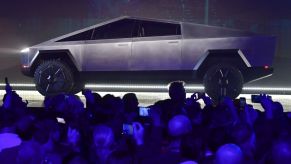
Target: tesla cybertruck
[(130, 48)]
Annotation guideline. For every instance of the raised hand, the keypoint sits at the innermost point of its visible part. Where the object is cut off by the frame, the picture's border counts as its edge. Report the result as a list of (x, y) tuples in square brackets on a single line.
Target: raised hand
[(207, 100), (229, 103), (250, 114), (73, 136), (8, 88), (7, 102), (138, 133), (267, 104), (233, 110), (155, 115), (89, 96)]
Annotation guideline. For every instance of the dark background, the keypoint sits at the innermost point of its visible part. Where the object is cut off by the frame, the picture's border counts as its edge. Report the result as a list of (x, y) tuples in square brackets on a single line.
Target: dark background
[(27, 22)]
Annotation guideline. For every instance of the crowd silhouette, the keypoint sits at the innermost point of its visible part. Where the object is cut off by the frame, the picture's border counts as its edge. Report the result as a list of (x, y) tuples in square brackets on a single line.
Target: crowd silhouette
[(111, 130)]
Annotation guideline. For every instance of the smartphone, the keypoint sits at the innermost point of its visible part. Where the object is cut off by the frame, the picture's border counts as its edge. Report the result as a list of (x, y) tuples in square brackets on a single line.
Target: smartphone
[(61, 120), (242, 102), (257, 98), (127, 129), (144, 111)]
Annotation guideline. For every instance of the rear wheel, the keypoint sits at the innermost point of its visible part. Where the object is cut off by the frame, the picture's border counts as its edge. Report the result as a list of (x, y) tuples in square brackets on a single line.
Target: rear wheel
[(223, 80), (78, 85), (53, 77)]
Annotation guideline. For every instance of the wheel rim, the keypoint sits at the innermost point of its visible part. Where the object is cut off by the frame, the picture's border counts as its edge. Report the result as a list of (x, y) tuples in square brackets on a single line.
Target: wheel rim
[(52, 79), (223, 82)]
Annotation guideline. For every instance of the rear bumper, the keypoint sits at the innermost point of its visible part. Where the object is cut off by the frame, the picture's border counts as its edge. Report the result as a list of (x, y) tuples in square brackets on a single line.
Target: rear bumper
[(256, 73)]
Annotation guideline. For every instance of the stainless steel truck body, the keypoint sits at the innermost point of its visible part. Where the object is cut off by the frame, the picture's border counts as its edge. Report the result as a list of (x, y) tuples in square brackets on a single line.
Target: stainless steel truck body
[(135, 45)]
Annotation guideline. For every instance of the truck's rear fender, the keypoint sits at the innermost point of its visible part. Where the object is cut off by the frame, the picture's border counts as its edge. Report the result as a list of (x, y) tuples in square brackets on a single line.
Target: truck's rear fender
[(262, 51), (234, 57)]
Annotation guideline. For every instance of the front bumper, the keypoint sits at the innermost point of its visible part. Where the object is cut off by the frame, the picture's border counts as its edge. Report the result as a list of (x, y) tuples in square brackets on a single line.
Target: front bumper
[(25, 66), (25, 59)]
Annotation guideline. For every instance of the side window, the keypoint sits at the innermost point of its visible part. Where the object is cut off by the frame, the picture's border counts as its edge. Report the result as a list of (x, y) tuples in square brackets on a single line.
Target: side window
[(120, 29), (78, 37), (150, 28)]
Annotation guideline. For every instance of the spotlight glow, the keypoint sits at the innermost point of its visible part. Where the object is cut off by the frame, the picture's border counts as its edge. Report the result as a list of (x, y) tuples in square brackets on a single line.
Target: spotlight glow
[(118, 86), (267, 89), (25, 50), (153, 86), (18, 85)]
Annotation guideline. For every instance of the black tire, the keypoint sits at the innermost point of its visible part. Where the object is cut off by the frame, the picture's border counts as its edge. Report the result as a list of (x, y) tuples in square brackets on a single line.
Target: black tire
[(53, 77), (78, 85), (223, 80)]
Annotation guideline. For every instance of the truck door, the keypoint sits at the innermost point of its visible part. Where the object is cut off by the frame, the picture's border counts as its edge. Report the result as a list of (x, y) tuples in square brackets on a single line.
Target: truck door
[(110, 47), (157, 46)]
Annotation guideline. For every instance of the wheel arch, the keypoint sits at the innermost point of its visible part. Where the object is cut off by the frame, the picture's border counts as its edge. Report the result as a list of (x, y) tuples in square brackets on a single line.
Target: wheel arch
[(234, 57), (63, 55)]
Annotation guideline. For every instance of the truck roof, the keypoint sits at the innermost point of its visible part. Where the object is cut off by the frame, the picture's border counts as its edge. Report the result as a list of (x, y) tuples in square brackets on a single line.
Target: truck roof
[(200, 27)]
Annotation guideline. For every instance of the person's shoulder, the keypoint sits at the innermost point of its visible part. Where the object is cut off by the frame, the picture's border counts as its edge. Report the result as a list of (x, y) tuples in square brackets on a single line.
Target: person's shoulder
[(169, 158), (9, 155), (162, 102)]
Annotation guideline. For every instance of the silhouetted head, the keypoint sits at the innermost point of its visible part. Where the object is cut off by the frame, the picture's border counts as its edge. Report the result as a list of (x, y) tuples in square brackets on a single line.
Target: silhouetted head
[(229, 154), (119, 157), (7, 120), (108, 101), (73, 102), (179, 125), (55, 102), (44, 129), (278, 109), (103, 137), (241, 133), (29, 152), (177, 91), (25, 126), (281, 152), (103, 140), (130, 102), (97, 97), (192, 147), (243, 136), (76, 159), (117, 105)]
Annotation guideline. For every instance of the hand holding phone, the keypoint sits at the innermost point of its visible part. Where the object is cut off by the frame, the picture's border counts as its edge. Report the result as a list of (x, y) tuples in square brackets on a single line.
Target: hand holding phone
[(144, 111), (127, 129), (196, 96), (258, 98), (266, 102), (138, 133), (61, 120), (242, 102), (73, 136)]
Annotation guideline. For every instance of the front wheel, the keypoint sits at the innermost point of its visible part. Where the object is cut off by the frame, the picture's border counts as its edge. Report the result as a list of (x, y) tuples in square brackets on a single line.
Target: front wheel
[(53, 77), (223, 80)]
